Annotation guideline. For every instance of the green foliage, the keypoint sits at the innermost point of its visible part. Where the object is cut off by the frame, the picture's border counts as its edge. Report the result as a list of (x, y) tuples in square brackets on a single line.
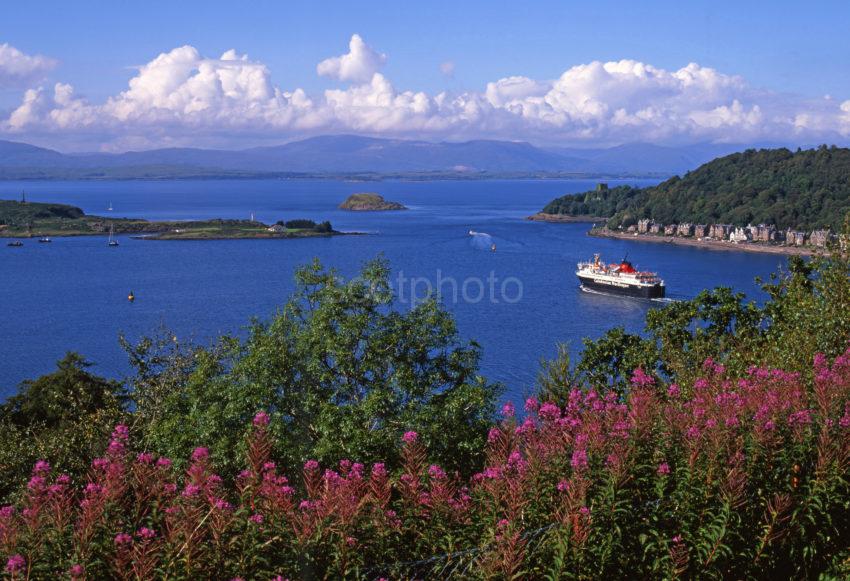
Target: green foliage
[(62, 417), (342, 370), (16, 213), (805, 189), (299, 224), (304, 224)]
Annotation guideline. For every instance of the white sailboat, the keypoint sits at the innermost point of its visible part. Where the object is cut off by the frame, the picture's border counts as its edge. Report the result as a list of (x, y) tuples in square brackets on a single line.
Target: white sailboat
[(112, 241), (109, 209)]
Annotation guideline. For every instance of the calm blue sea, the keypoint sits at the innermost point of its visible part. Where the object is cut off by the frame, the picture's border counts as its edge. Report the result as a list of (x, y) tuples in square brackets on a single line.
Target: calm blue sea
[(71, 294)]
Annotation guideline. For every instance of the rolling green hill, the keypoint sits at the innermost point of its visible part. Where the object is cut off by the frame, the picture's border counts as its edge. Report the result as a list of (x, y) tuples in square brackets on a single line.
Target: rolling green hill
[(807, 190)]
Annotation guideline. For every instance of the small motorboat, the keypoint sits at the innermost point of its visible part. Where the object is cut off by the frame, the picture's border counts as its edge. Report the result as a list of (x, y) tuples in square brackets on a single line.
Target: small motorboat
[(131, 297), (15, 243), (492, 248), (44, 240)]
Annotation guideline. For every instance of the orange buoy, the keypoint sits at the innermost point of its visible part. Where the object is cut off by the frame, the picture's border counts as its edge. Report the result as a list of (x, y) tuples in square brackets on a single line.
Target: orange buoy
[(131, 297)]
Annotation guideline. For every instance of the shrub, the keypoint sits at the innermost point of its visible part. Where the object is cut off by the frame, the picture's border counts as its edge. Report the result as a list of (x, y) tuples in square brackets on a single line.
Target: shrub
[(731, 476), (62, 417), (300, 224), (338, 366)]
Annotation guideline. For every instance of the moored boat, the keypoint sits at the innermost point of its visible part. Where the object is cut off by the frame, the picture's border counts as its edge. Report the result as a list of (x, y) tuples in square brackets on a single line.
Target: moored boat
[(619, 279)]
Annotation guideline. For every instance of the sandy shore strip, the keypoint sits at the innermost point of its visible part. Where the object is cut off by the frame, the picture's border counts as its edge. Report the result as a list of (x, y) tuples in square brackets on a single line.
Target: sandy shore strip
[(541, 217), (708, 244)]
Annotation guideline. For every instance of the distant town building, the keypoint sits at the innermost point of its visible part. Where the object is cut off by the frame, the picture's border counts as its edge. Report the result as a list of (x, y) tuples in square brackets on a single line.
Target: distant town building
[(763, 233), (819, 238), (740, 235), (631, 228), (670, 230), (644, 225), (655, 228), (276, 228), (795, 238), (720, 231), (700, 231), (685, 230)]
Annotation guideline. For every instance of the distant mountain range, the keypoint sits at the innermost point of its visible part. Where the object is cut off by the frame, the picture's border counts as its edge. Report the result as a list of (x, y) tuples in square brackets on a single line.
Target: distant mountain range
[(349, 154)]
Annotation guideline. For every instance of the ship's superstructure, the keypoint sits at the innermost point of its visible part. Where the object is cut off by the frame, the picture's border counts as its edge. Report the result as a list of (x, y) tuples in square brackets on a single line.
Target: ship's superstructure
[(619, 279)]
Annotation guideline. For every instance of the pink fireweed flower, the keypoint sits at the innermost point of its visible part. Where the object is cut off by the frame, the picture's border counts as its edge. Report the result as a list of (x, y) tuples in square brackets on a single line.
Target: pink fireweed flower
[(307, 505), (641, 379), (261, 420), (673, 390), (144, 458), (191, 490), (200, 454), (164, 462), (169, 488), (121, 432), (268, 466), (36, 483), (76, 571), (663, 469), (123, 539), (531, 405), (508, 410), (549, 411), (410, 437), (563, 486), (41, 467), (15, 563), (493, 435), (256, 518), (311, 465), (677, 539), (527, 427), (802, 417), (436, 472), (145, 533), (115, 448), (379, 469), (222, 504), (579, 460)]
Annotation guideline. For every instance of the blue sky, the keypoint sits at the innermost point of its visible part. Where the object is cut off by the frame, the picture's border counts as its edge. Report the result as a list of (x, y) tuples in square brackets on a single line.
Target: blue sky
[(787, 54)]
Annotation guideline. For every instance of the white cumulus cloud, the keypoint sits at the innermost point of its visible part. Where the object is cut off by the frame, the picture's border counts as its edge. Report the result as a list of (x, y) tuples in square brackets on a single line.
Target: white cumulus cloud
[(358, 65), (18, 69), (183, 97)]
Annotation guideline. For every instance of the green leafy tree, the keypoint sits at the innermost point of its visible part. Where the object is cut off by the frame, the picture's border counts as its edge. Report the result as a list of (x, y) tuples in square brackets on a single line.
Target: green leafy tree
[(805, 189), (344, 372), (62, 417)]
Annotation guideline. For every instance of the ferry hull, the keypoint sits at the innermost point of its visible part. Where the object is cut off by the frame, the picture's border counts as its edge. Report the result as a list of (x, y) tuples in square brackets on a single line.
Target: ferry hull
[(627, 290)]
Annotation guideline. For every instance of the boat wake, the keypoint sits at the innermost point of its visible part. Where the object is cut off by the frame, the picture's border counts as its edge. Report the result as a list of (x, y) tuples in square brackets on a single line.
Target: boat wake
[(482, 241)]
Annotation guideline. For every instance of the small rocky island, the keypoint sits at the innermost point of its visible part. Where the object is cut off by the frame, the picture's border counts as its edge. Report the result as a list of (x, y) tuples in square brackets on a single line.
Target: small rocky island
[(22, 219), (369, 202)]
